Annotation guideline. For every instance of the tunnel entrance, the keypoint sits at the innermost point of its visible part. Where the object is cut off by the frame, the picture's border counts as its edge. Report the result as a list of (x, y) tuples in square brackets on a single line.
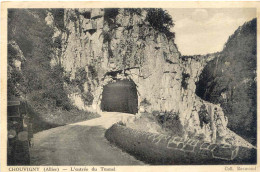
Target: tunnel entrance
[(120, 96)]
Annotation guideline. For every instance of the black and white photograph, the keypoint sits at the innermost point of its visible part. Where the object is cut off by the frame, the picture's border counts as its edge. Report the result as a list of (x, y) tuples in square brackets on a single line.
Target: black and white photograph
[(131, 87)]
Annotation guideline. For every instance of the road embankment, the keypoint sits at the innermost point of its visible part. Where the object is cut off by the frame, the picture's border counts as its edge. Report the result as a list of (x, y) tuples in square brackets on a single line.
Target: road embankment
[(162, 149)]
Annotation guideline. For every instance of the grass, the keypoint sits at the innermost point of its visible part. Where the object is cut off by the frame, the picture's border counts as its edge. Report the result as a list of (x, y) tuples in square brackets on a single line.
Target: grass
[(63, 117), (45, 118), (158, 122), (146, 122)]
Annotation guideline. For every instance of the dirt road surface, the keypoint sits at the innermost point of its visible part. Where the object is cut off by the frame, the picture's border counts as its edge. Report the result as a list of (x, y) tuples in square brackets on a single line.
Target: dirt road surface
[(80, 143)]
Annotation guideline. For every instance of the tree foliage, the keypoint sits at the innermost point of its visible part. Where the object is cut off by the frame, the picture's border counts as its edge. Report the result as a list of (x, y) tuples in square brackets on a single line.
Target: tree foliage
[(27, 27), (160, 20)]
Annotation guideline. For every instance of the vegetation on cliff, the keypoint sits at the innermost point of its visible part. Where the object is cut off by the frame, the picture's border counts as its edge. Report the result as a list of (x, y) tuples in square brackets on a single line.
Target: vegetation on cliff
[(36, 81), (29, 30), (230, 80), (160, 20)]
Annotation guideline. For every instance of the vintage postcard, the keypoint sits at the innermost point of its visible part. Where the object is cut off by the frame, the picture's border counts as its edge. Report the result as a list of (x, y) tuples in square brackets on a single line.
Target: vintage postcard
[(129, 86)]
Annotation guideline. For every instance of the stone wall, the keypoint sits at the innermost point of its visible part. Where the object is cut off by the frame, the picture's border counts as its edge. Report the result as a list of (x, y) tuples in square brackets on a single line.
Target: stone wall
[(164, 149)]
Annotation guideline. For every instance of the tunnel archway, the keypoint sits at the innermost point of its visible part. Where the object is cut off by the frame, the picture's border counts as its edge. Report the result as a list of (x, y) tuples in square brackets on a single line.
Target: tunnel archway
[(120, 96)]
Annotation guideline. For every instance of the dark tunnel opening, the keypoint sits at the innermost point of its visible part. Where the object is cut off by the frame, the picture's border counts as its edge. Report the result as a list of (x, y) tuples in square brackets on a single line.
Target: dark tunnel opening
[(120, 96)]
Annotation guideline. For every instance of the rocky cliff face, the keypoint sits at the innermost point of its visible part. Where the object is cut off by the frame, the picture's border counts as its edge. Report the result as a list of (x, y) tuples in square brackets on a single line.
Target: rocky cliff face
[(101, 46)]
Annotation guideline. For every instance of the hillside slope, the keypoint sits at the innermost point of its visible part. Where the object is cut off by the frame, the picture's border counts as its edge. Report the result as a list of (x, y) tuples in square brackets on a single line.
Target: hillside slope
[(30, 74), (230, 80)]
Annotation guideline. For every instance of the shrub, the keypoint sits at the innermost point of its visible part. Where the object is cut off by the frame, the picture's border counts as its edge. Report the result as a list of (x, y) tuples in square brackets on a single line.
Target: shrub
[(170, 121), (110, 13), (88, 98), (58, 42), (160, 20), (184, 82), (58, 15), (11, 54), (132, 11), (203, 116), (92, 72), (145, 102)]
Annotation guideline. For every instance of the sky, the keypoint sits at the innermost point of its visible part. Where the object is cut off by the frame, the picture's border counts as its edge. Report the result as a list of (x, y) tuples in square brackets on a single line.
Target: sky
[(202, 31)]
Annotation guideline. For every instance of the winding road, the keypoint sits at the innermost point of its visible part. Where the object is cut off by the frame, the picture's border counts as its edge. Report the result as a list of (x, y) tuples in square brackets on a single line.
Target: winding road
[(81, 143)]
